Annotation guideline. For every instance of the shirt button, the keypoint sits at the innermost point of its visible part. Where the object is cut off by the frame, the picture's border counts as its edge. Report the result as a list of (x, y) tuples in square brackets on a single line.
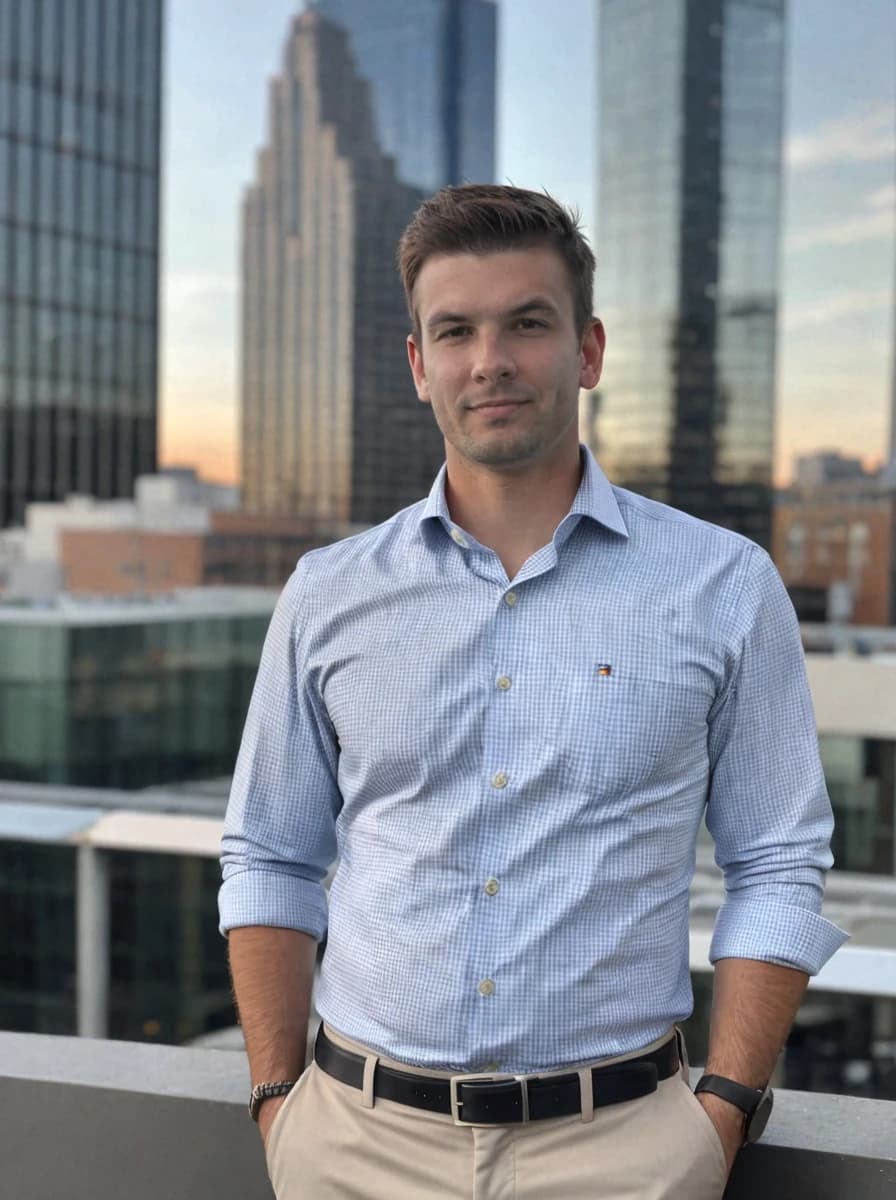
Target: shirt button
[(511, 598), (486, 987), (503, 682), (499, 779), (459, 537), (491, 887)]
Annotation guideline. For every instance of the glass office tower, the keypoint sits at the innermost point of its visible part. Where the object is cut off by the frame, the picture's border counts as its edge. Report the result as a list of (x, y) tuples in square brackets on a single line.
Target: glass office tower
[(79, 246), (691, 102), (431, 67), (128, 695)]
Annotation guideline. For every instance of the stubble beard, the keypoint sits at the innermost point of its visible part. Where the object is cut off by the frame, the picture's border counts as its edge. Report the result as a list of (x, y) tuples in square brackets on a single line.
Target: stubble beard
[(508, 446), (503, 450)]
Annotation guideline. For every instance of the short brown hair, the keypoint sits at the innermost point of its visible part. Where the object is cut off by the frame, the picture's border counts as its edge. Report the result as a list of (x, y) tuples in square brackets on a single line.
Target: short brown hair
[(481, 218)]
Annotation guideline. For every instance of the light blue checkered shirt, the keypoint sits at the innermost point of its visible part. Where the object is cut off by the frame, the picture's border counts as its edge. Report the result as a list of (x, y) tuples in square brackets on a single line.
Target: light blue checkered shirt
[(512, 776)]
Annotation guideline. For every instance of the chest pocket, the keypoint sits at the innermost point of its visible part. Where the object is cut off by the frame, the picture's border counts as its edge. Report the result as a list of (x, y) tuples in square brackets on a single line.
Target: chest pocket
[(623, 731)]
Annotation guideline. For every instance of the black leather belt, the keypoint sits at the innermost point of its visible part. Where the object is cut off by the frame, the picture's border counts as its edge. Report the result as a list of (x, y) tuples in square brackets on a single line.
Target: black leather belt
[(502, 1099)]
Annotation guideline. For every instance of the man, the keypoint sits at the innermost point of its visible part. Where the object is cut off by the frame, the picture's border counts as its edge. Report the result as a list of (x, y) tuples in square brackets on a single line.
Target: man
[(505, 711)]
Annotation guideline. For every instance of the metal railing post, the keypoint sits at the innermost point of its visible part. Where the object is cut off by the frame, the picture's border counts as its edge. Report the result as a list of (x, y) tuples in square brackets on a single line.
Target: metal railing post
[(93, 942)]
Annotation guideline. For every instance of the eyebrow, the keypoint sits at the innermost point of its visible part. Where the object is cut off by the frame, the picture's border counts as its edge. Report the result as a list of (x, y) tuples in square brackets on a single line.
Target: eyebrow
[(534, 304)]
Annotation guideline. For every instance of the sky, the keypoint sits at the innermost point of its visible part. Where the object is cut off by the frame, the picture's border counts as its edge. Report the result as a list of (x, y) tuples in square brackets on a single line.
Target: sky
[(838, 259)]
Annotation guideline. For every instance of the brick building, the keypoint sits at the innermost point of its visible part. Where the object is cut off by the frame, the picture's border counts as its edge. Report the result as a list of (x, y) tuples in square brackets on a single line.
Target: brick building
[(236, 549), (839, 534)]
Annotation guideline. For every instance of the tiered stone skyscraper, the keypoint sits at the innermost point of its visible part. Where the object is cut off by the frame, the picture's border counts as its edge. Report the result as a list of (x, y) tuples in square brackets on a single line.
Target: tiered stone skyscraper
[(331, 427)]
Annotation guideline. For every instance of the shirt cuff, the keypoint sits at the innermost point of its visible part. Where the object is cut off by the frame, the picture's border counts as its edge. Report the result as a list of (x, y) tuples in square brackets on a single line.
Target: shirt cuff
[(775, 932), (254, 897)]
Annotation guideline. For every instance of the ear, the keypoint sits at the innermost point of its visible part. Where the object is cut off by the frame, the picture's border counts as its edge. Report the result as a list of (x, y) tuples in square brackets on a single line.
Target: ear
[(415, 358), (592, 354)]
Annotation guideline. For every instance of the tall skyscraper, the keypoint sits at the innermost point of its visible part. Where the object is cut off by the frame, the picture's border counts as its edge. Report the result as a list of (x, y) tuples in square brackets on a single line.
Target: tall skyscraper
[(80, 95), (431, 66), (331, 427), (691, 103)]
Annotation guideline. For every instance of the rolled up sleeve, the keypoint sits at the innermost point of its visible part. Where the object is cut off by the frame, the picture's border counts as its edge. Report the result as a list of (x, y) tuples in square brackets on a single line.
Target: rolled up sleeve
[(279, 830), (768, 809)]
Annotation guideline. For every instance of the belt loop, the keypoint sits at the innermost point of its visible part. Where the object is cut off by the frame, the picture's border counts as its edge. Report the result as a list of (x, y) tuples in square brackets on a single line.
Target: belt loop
[(683, 1055), (370, 1065), (586, 1092)]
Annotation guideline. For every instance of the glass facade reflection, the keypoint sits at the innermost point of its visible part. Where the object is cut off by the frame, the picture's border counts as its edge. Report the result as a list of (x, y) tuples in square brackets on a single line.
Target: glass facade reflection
[(688, 214), (431, 67), (37, 949), (861, 779), (168, 977), (99, 702), (79, 246)]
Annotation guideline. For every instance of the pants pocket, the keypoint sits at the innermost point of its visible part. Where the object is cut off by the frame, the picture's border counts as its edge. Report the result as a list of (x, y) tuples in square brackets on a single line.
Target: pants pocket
[(275, 1133), (710, 1135)]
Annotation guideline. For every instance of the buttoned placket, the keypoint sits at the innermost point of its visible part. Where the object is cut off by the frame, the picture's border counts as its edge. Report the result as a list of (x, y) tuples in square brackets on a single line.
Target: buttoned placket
[(493, 914)]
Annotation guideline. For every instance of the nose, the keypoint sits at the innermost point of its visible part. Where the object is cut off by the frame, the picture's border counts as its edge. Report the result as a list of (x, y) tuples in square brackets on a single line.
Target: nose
[(493, 362)]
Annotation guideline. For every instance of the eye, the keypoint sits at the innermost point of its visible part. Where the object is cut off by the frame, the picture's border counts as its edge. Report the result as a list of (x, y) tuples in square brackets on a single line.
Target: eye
[(528, 324), (453, 332)]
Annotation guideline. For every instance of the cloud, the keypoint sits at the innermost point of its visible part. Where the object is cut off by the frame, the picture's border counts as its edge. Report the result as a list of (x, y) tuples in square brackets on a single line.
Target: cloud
[(867, 137), (195, 287), (884, 198), (198, 313), (836, 308), (849, 231), (876, 218)]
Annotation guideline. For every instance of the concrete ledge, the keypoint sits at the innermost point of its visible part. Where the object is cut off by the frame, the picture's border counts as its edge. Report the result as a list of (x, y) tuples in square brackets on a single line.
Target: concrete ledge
[(820, 1147), (101, 1120)]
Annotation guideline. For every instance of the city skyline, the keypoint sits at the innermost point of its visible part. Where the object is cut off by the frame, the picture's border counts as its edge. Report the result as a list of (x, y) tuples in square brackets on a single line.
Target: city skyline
[(836, 270)]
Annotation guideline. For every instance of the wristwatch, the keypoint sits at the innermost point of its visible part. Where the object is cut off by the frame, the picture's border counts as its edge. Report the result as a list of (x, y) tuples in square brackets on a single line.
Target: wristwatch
[(756, 1103)]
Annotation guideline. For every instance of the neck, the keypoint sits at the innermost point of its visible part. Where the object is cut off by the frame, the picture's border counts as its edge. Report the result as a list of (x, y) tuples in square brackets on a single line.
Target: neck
[(513, 512)]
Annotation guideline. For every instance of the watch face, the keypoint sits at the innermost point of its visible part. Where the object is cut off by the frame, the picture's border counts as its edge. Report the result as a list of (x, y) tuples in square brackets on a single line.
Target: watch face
[(757, 1122)]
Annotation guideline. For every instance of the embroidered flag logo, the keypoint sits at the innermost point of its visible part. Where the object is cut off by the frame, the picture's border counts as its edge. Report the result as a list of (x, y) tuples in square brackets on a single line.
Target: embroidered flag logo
[(604, 669)]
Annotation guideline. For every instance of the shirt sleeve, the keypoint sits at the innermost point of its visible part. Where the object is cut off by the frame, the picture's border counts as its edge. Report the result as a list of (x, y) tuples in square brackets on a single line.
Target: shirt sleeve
[(768, 809), (280, 827)]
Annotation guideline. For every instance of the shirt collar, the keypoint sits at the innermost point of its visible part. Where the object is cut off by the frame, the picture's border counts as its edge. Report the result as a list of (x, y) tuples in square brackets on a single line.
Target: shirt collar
[(595, 498)]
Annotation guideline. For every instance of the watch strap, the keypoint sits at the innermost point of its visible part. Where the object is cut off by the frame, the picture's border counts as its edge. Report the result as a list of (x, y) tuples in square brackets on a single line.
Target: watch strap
[(742, 1097), (267, 1091)]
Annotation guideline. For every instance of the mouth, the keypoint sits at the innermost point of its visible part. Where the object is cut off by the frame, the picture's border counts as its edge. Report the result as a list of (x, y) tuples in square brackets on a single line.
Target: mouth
[(499, 407)]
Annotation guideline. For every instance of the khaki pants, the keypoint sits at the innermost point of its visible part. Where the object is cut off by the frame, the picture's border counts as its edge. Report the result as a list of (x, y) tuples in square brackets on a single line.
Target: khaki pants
[(325, 1144)]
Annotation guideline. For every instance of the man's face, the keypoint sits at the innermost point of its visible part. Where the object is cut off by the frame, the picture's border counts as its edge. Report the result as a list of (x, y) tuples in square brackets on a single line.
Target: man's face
[(498, 356)]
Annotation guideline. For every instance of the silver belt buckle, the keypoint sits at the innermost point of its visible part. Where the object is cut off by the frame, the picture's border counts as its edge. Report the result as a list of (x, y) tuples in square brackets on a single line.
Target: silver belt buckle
[(456, 1104)]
